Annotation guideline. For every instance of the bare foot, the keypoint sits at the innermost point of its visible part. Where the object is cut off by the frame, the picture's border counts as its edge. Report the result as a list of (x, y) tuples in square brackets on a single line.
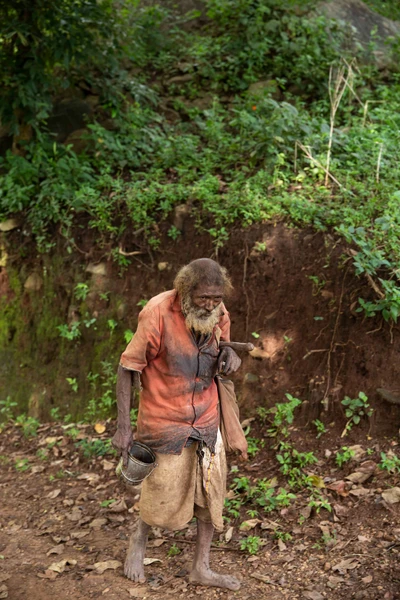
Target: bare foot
[(133, 567), (210, 578)]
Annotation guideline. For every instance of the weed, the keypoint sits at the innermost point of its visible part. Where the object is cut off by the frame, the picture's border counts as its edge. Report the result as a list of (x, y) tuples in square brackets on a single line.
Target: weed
[(73, 382), (356, 408), (254, 445), (128, 335), (81, 291), (318, 284), (174, 550), (29, 425), (318, 501), (7, 409), (345, 456), (321, 429), (55, 413), (112, 324), (142, 303), (107, 503), (283, 416), (70, 332), (22, 465), (251, 544), (282, 535), (95, 447), (389, 462), (42, 454)]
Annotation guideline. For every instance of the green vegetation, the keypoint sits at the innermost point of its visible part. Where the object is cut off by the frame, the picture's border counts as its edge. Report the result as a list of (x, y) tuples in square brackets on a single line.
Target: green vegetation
[(251, 544), (290, 147), (343, 457), (389, 462), (356, 408)]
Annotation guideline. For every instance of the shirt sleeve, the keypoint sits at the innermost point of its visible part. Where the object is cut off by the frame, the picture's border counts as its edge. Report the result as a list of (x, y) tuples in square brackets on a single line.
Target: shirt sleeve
[(145, 344), (225, 326)]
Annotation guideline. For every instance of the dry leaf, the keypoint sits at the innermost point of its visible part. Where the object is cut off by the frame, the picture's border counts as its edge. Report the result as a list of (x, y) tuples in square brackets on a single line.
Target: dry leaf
[(139, 592), (250, 524), (346, 565), (78, 535), (60, 566), (37, 469), (56, 550), (99, 428), (75, 515), (119, 506), (48, 575), (358, 477), (53, 494), (228, 534), (392, 496), (282, 546), (100, 567), (363, 538), (271, 525), (97, 523), (3, 591), (367, 579), (340, 487), (360, 491), (92, 478), (108, 465), (150, 561), (306, 512)]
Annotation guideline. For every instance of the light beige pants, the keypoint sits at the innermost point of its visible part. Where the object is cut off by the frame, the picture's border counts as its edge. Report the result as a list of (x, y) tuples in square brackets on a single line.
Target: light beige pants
[(181, 487)]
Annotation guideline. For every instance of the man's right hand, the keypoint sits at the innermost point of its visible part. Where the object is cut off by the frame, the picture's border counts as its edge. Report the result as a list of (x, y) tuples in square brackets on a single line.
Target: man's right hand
[(122, 441)]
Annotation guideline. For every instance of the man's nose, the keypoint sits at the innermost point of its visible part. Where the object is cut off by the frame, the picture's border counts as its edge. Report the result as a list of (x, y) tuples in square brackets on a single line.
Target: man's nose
[(209, 305)]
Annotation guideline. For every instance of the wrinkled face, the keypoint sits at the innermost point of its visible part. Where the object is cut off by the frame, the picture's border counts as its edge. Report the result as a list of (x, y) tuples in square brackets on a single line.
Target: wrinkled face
[(206, 298), (202, 308)]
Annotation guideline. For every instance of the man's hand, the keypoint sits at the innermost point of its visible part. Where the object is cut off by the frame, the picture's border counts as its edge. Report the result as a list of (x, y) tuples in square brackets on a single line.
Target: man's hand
[(228, 361), (122, 441)]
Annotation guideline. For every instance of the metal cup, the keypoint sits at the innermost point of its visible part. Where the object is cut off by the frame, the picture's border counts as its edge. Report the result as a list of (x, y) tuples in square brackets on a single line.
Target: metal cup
[(141, 463)]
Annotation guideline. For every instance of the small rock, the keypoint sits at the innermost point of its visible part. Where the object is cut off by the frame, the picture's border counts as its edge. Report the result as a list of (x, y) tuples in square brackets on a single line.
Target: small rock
[(313, 595), (9, 225), (162, 266), (34, 283), (99, 269), (392, 496)]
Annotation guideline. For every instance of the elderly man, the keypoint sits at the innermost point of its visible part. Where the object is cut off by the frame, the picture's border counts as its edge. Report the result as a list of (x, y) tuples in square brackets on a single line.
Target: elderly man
[(173, 359)]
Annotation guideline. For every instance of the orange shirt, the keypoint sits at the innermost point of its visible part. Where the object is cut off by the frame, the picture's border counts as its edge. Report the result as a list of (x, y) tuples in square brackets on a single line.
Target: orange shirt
[(179, 395)]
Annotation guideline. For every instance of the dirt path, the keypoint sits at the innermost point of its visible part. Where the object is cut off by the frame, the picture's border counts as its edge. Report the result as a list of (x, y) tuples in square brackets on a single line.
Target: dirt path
[(59, 529)]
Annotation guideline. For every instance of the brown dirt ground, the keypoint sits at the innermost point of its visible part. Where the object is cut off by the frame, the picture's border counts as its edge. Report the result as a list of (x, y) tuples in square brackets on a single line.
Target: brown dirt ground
[(313, 344), (48, 515)]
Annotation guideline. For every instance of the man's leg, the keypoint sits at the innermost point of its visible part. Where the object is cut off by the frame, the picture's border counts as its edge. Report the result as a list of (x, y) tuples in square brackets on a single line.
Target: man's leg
[(201, 572), (134, 568)]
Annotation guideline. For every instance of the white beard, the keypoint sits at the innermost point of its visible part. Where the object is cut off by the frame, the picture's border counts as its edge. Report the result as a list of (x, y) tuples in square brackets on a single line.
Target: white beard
[(199, 319)]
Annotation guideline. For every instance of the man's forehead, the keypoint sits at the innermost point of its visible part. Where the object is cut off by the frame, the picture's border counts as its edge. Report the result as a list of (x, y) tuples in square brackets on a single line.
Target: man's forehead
[(208, 290)]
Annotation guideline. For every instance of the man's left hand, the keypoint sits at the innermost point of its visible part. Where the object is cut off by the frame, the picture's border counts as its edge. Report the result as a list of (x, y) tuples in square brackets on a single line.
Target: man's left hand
[(228, 361)]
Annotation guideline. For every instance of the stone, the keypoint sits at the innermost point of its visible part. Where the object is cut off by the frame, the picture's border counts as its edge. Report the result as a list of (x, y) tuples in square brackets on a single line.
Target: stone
[(9, 225), (99, 269), (162, 266), (77, 140), (388, 396), (122, 310), (34, 283), (391, 496), (361, 21)]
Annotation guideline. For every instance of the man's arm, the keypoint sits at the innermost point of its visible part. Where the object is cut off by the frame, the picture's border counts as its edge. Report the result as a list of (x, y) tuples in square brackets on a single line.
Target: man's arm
[(123, 437)]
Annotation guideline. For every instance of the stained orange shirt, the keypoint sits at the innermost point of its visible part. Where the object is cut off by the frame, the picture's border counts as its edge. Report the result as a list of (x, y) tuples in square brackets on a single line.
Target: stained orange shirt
[(179, 394)]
